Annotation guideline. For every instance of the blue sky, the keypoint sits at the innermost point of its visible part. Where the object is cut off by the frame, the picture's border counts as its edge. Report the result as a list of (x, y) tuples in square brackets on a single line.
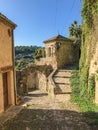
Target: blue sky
[(38, 20)]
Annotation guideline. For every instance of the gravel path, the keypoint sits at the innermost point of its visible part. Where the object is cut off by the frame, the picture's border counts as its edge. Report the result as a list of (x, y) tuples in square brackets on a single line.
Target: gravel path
[(44, 113)]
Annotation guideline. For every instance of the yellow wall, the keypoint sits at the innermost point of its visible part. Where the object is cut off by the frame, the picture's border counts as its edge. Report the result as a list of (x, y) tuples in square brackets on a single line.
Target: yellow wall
[(5, 45), (6, 63), (64, 54), (1, 95)]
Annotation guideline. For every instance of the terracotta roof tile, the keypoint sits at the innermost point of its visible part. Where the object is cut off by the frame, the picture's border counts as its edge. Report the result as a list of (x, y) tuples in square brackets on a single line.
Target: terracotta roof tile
[(56, 38)]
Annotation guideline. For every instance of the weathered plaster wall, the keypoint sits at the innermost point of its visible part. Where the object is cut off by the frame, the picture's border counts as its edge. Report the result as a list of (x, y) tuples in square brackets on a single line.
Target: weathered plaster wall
[(61, 53), (94, 47), (94, 61), (7, 91), (65, 54), (5, 45), (1, 95), (51, 58), (89, 56), (94, 57)]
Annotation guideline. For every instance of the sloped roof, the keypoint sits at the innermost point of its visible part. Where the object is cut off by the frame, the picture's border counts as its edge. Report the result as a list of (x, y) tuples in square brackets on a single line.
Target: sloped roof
[(57, 38), (5, 20)]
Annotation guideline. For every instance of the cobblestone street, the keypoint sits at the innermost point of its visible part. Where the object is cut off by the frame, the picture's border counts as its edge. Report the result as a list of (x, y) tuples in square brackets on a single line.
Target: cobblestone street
[(43, 113)]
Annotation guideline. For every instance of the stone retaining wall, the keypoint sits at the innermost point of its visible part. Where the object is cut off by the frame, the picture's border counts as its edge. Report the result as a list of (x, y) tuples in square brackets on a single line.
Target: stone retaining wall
[(32, 77)]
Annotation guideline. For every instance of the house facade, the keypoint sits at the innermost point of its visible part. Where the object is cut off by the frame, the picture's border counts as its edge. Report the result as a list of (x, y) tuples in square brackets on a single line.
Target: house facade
[(60, 51), (7, 78)]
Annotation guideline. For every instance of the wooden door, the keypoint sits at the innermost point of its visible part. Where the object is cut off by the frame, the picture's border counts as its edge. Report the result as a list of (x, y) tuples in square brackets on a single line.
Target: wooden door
[(5, 90)]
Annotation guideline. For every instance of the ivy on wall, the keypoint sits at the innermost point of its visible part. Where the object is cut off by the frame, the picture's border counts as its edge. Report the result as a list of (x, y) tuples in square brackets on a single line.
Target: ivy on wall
[(86, 83), (90, 7), (89, 10)]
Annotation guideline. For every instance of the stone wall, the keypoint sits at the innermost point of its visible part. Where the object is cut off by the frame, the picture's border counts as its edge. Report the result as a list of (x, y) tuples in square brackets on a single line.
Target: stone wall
[(89, 55), (41, 81), (61, 53), (32, 77), (31, 80), (66, 54), (93, 69), (94, 47), (47, 61)]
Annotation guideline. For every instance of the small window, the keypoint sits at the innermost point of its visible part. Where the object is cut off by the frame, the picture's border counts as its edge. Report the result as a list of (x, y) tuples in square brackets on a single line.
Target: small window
[(49, 51), (9, 32), (58, 45)]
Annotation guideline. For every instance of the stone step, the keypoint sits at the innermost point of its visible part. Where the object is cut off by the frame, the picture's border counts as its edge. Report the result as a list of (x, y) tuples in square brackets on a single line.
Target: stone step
[(61, 90), (64, 70), (60, 73), (63, 85), (61, 80), (65, 88), (71, 67), (62, 76)]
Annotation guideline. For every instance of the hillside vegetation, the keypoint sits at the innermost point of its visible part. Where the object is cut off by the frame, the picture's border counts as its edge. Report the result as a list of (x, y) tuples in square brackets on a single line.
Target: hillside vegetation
[(25, 55)]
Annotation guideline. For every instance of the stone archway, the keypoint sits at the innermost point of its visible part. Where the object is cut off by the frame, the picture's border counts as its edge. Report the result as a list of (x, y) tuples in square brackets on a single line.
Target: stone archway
[(33, 77)]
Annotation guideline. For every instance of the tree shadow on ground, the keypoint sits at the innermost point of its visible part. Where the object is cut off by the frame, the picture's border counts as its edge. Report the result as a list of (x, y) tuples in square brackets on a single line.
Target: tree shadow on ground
[(37, 95), (31, 95), (32, 118), (32, 89)]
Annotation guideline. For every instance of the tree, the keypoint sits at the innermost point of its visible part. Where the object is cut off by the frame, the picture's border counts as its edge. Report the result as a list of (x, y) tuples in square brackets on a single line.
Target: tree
[(75, 30), (39, 53)]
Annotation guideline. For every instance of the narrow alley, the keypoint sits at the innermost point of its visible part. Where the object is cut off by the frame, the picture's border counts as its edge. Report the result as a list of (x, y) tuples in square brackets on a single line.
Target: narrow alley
[(40, 112)]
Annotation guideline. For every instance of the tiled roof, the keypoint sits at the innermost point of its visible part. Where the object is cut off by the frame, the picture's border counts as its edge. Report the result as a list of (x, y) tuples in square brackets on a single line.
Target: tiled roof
[(4, 18), (56, 38)]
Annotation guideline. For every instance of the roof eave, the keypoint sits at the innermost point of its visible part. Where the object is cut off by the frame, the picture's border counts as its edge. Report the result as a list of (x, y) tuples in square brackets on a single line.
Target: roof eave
[(56, 40), (5, 20)]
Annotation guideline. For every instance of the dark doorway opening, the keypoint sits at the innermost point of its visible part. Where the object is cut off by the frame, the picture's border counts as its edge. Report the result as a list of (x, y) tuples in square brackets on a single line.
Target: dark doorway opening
[(5, 90)]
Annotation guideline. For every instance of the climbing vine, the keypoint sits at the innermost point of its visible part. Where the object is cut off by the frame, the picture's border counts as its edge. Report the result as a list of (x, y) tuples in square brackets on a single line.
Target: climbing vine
[(89, 11), (85, 87), (89, 8)]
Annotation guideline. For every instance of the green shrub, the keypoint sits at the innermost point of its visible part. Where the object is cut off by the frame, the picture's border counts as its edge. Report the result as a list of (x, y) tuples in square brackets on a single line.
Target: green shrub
[(83, 81), (91, 86), (75, 85), (83, 89)]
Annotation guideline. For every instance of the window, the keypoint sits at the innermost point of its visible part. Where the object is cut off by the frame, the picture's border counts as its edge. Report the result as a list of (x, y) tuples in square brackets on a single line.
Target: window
[(9, 32)]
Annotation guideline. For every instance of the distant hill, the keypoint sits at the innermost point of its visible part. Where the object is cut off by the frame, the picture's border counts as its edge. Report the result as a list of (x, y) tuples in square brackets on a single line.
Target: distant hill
[(25, 55)]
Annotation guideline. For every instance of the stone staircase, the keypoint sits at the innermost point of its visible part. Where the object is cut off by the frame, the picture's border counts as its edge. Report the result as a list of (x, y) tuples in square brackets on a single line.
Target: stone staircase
[(62, 81)]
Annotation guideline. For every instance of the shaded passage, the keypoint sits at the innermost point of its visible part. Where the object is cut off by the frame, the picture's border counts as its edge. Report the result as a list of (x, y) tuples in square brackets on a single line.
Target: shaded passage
[(42, 113)]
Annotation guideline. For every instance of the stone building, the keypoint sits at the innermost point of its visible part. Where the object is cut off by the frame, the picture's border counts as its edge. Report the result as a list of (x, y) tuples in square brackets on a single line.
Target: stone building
[(7, 78), (60, 51)]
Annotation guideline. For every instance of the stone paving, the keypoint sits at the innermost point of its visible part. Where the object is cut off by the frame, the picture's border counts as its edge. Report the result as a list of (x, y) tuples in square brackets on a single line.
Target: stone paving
[(10, 113), (43, 113)]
